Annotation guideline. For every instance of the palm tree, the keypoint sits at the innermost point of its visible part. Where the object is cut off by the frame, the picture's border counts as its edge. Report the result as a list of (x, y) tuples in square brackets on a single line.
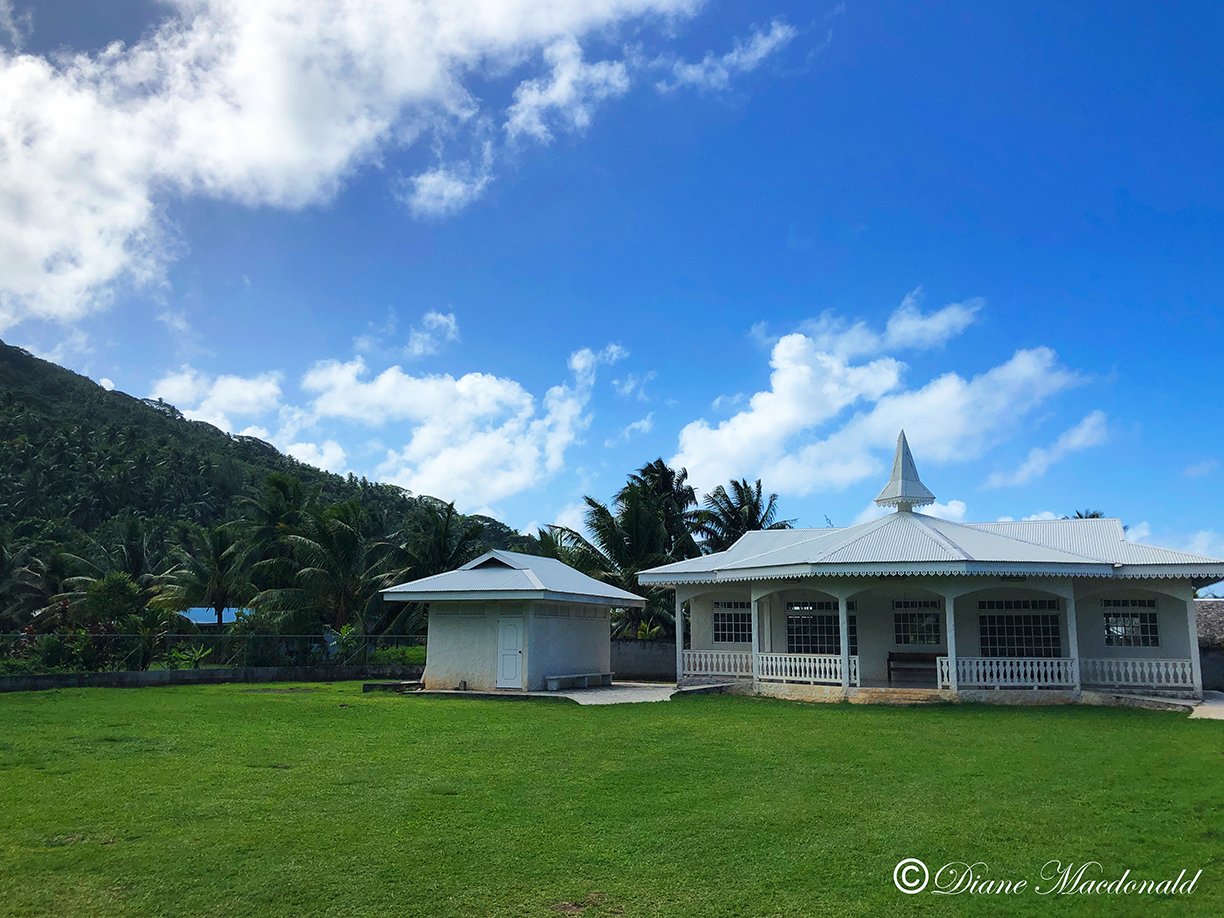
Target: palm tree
[(626, 538), (1086, 515), (728, 514), (270, 518), (677, 501), (435, 539), (209, 571), (341, 567)]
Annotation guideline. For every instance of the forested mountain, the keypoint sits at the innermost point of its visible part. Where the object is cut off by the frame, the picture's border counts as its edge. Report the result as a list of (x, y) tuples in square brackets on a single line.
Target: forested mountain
[(75, 457)]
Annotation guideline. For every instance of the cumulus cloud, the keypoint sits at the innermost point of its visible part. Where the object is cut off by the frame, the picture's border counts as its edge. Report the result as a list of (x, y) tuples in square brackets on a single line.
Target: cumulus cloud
[(447, 189), (434, 330), (782, 436), (907, 328), (567, 96), (328, 455), (220, 399), (714, 71), (1091, 431), (273, 103), (475, 438), (107, 383)]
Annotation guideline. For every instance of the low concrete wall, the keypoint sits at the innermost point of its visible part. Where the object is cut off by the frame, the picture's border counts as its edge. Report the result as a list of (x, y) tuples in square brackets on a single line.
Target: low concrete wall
[(208, 676), (1213, 668), (653, 661)]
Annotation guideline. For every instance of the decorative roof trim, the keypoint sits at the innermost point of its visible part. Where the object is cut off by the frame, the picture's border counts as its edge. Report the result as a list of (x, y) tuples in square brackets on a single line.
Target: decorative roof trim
[(482, 595)]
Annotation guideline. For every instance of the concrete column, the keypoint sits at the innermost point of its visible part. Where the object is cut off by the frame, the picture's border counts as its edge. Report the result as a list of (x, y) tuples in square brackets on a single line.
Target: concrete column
[(1073, 638), (756, 639), (1196, 663), (844, 625), (679, 637), (950, 610)]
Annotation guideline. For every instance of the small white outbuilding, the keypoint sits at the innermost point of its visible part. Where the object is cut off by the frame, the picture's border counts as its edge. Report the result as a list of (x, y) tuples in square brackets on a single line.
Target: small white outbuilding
[(507, 620)]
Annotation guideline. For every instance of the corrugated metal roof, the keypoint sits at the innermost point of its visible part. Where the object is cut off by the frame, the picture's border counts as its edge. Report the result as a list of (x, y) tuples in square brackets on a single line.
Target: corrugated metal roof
[(509, 572), (907, 538)]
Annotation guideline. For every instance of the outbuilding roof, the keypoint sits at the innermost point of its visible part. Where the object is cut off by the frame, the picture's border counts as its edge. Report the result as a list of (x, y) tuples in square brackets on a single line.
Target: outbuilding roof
[(499, 574)]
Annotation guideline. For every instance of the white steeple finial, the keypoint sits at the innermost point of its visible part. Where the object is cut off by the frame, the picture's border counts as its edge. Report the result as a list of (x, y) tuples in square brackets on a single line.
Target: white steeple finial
[(905, 489)]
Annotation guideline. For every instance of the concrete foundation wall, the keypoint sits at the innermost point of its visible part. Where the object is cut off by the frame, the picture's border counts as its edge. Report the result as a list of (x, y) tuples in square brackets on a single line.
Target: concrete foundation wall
[(1213, 669), (142, 679), (652, 661)]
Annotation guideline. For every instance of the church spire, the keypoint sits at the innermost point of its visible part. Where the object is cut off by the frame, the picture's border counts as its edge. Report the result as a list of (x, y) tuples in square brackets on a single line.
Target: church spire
[(905, 489)]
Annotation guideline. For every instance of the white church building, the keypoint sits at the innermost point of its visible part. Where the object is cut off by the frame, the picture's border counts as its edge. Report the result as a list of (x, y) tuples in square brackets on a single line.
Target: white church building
[(910, 606)]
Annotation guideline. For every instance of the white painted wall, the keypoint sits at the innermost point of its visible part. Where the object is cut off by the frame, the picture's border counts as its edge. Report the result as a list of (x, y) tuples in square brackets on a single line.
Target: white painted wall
[(568, 638), (558, 638), (463, 643)]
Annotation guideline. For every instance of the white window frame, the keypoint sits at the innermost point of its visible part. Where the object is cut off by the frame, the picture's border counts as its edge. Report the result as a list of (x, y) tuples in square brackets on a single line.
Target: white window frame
[(736, 617), (1140, 628)]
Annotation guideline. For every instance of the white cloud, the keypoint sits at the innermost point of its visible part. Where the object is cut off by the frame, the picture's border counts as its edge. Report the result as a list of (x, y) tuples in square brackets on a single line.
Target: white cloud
[(633, 385), (640, 426), (1199, 469), (107, 383), (714, 71), (217, 399), (567, 96), (779, 435), (474, 439), (328, 455), (572, 516), (1139, 532), (908, 327), (14, 26), (435, 329), (1091, 431), (445, 190), (264, 104)]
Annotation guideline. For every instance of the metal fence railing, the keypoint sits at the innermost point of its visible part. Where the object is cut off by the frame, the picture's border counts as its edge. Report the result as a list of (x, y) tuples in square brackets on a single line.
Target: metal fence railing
[(82, 651)]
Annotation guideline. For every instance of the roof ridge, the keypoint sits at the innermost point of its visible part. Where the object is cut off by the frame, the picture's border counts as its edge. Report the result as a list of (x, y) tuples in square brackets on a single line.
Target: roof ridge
[(948, 543), (1013, 538), (866, 529), (771, 551)]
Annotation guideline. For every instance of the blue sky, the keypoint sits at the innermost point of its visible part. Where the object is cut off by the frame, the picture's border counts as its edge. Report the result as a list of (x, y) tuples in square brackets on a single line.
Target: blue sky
[(506, 258)]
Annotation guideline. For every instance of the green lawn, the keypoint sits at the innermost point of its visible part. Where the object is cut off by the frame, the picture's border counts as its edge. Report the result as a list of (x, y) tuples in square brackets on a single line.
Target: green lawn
[(313, 800)]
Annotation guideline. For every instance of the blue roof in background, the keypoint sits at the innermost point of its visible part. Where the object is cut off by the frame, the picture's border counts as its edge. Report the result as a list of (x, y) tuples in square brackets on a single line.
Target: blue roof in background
[(199, 615)]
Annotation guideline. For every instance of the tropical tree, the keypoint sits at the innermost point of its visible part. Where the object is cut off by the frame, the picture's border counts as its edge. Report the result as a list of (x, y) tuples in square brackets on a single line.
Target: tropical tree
[(340, 569), (729, 512), (270, 519), (676, 501), (1086, 515), (626, 538), (210, 571)]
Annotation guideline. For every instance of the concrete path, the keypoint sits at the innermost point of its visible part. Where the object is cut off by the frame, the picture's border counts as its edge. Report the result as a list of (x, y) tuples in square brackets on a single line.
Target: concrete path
[(1212, 707), (619, 693)]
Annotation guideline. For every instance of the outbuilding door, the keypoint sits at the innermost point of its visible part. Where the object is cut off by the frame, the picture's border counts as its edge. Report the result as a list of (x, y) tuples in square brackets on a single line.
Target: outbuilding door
[(510, 652)]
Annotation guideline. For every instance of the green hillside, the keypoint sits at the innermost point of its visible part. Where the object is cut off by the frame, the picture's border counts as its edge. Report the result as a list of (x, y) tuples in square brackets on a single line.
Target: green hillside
[(87, 472)]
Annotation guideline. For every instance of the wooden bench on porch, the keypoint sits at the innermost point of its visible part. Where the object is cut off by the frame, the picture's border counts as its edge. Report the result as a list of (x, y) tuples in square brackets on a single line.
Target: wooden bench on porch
[(577, 680), (912, 663)]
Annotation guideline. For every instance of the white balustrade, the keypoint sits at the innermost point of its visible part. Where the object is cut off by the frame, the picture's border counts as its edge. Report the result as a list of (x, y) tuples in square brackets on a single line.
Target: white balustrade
[(822, 668), (718, 663), (945, 672), (1010, 672), (1135, 672)]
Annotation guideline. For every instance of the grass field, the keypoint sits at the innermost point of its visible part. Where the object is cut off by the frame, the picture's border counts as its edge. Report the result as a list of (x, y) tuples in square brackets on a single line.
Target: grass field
[(313, 800)]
